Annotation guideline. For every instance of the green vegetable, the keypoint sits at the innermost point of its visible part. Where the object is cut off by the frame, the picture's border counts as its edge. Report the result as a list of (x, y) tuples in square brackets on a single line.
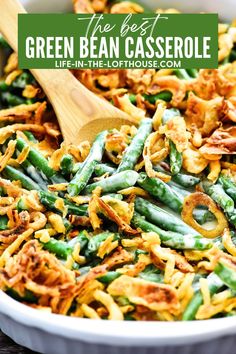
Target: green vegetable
[(226, 274), (161, 190), (82, 238), (229, 185), (169, 114), (40, 162), (12, 100), (172, 239), (102, 168), (151, 273), (182, 74), (49, 200), (192, 72), (163, 95), (181, 178), (214, 284), (66, 164), (15, 175), (162, 218), (109, 277), (134, 150), (217, 193), (80, 180), (60, 248), (176, 159), (96, 241), (3, 222), (115, 183)]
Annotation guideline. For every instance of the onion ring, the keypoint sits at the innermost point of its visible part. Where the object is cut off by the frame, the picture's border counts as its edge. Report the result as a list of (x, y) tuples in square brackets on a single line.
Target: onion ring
[(198, 198)]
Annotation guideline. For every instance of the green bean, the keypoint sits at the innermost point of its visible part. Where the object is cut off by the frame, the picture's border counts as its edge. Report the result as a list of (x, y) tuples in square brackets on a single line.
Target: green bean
[(232, 217), (170, 238), (15, 175), (115, 182), (226, 274), (102, 168), (151, 273), (132, 98), (96, 241), (233, 55), (229, 186), (182, 74), (49, 200), (82, 238), (30, 136), (40, 162), (3, 222), (181, 178), (192, 72), (80, 180), (66, 164), (11, 99), (57, 247), (217, 193), (27, 297), (135, 149), (76, 167), (214, 284), (162, 218), (169, 114), (109, 277), (203, 215), (21, 205), (3, 86), (159, 189), (34, 174), (176, 159), (163, 95), (22, 80), (3, 42)]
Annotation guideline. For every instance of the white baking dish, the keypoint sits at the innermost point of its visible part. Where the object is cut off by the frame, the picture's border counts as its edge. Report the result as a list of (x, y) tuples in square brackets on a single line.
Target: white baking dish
[(48, 333)]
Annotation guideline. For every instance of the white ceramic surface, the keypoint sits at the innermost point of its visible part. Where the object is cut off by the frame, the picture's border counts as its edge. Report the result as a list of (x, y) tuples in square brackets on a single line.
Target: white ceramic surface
[(47, 333)]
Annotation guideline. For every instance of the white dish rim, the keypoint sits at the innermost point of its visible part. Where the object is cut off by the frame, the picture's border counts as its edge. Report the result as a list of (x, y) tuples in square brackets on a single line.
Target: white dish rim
[(135, 333)]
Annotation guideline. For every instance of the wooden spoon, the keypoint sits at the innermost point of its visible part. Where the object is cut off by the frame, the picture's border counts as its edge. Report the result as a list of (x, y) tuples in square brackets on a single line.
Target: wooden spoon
[(80, 113)]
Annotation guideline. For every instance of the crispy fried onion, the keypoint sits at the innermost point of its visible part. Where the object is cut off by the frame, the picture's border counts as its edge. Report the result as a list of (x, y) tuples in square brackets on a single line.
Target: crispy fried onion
[(56, 157), (155, 149), (175, 130), (40, 272), (107, 300), (115, 145), (4, 159), (211, 83), (118, 257), (198, 198), (118, 211), (38, 220), (169, 83), (222, 141), (203, 114), (125, 105), (126, 7), (228, 243), (193, 161), (158, 254), (154, 296), (21, 224)]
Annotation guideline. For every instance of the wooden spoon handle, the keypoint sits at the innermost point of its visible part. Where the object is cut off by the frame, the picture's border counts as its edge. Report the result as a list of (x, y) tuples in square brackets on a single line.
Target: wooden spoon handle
[(73, 103), (9, 21)]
